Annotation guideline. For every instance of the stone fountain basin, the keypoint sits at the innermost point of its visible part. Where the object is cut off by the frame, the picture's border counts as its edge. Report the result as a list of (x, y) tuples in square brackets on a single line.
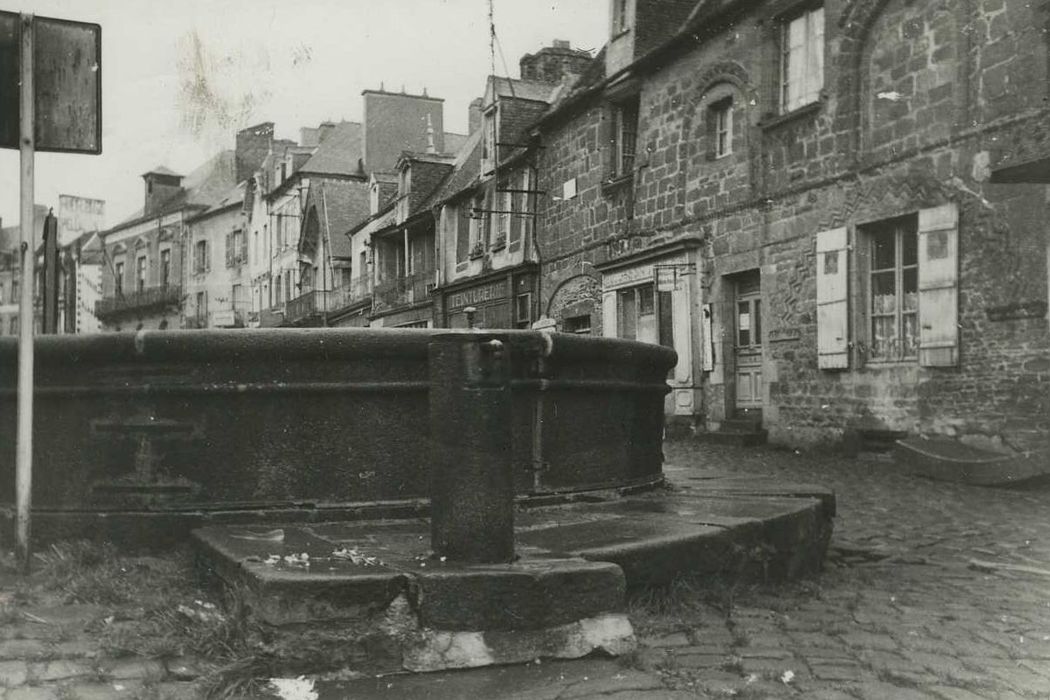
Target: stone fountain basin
[(144, 436)]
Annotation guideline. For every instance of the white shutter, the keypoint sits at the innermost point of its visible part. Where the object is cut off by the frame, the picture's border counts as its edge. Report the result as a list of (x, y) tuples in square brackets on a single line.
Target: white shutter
[(832, 300), (707, 338), (609, 314), (939, 286)]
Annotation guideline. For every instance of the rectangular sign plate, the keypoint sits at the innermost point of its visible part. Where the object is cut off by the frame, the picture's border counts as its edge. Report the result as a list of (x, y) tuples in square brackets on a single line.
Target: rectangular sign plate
[(67, 75)]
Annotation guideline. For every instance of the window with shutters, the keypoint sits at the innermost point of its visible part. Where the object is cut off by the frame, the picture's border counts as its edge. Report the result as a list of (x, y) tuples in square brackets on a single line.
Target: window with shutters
[(893, 291), (801, 65)]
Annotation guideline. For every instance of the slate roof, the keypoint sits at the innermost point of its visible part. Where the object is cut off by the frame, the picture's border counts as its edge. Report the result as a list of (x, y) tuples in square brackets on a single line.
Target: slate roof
[(522, 89), (465, 171), (202, 188), (163, 170), (234, 196), (346, 204), (339, 153)]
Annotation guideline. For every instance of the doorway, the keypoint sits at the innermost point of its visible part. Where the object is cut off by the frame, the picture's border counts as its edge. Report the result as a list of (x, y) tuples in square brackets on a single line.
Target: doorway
[(748, 345)]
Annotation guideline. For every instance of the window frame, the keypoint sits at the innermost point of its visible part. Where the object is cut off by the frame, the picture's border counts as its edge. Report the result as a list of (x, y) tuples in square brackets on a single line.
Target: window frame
[(626, 113), (722, 123), (809, 50), (899, 227), (200, 257), (141, 272), (118, 277)]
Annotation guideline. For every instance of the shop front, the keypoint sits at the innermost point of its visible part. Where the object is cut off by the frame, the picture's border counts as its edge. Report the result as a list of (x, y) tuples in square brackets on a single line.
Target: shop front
[(654, 296), (505, 299)]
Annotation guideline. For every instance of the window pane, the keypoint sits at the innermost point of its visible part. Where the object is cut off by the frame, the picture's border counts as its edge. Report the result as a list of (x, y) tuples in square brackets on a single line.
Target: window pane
[(758, 322), (909, 248), (883, 337), (910, 331), (884, 293), (666, 320), (743, 325), (884, 252), (628, 314), (645, 300), (910, 290)]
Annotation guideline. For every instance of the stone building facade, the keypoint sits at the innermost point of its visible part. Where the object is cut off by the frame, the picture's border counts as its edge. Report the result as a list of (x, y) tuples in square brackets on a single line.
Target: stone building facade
[(814, 185)]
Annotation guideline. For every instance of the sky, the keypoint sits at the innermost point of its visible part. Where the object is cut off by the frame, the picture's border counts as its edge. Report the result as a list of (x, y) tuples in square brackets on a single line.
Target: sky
[(293, 62)]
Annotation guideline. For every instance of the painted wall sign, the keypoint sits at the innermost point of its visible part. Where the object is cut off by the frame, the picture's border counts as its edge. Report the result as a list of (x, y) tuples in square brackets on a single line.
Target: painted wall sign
[(639, 274), (67, 76), (478, 295)]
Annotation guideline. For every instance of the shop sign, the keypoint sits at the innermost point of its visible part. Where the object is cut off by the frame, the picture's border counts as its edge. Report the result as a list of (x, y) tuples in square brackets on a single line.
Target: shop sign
[(478, 295)]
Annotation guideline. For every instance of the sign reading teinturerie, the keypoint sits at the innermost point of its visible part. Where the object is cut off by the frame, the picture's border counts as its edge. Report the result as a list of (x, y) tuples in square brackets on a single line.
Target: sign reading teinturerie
[(67, 60)]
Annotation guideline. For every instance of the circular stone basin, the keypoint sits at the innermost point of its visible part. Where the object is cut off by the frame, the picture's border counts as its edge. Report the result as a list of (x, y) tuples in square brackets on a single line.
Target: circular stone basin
[(177, 428)]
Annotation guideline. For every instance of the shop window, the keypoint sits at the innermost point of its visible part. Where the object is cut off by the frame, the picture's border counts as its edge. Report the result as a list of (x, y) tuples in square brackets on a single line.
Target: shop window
[(581, 325), (523, 310), (893, 284), (801, 59)]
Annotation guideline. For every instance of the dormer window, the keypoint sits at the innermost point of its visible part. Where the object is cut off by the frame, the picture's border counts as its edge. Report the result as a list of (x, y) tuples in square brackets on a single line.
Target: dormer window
[(801, 59), (488, 145)]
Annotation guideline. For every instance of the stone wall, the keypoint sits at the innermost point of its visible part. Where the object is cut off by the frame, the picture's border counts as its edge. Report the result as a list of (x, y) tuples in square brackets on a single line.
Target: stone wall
[(917, 99)]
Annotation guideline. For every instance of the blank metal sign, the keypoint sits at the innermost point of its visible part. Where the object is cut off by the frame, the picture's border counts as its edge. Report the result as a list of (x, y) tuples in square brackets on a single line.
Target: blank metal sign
[(67, 75)]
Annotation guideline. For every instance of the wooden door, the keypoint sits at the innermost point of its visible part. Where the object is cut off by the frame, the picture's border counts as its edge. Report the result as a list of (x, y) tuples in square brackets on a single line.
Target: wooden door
[(748, 347)]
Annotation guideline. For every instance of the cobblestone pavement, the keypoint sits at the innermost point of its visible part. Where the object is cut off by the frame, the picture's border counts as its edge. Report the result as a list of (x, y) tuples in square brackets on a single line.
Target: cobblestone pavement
[(931, 590), (914, 602)]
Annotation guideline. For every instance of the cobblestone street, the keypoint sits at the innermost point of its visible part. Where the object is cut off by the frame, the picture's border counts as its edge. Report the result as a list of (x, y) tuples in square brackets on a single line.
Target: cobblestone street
[(901, 610), (931, 590)]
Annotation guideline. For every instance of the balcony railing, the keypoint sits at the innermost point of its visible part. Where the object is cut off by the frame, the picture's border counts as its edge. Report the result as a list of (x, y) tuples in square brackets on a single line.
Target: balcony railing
[(138, 300), (406, 290), (317, 302)]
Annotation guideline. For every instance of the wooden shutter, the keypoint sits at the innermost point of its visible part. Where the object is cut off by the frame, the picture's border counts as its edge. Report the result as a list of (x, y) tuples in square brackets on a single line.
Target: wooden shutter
[(229, 250), (939, 286), (832, 300), (707, 338)]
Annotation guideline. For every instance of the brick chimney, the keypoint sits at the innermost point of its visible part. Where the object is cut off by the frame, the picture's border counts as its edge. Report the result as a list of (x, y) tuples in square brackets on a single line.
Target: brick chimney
[(395, 122), (554, 63), (161, 186), (474, 115), (253, 145)]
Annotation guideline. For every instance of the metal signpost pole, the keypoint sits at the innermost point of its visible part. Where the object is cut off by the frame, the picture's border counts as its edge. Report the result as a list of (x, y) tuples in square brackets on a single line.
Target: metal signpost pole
[(24, 455)]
